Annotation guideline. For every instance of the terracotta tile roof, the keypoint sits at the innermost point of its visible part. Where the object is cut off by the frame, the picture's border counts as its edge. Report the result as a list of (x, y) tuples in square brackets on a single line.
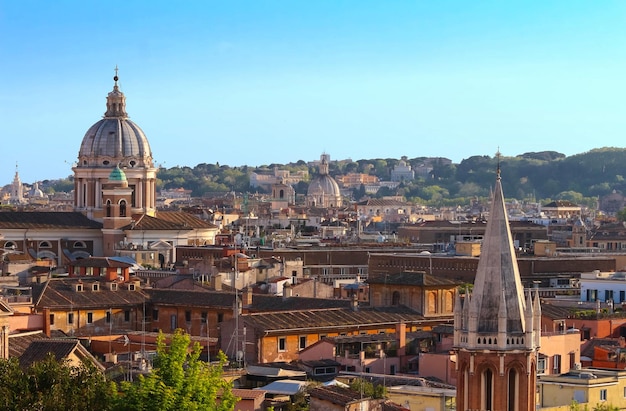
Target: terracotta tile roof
[(268, 303), (588, 349), (59, 293), (144, 222), (186, 219), (194, 298), (38, 350), (101, 262), (46, 220), (328, 318), (389, 405), (246, 394), (418, 278), (381, 202), (18, 343), (556, 312), (226, 299), (335, 394)]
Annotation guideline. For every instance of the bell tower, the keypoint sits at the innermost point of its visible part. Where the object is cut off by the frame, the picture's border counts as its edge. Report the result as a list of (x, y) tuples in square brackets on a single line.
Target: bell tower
[(497, 327)]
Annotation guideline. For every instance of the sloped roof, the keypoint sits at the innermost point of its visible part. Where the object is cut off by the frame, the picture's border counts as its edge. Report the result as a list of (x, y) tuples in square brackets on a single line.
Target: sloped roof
[(283, 387), (144, 222), (336, 317), (100, 262), (336, 394), (18, 343), (186, 219), (587, 349), (44, 220), (38, 350), (59, 293), (417, 278)]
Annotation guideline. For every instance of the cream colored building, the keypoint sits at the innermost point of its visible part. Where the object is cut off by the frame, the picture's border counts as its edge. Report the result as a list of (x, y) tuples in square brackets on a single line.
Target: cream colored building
[(587, 387)]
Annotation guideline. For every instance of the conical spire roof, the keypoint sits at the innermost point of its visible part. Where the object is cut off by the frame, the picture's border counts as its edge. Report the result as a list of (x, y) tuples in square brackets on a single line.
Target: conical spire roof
[(498, 274)]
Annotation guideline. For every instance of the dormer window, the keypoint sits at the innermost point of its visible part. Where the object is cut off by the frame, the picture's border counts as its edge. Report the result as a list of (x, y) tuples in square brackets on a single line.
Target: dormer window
[(113, 286), (95, 287), (131, 287), (78, 287)]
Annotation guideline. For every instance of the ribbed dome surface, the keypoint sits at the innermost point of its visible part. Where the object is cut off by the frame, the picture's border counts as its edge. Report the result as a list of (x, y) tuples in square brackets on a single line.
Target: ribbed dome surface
[(117, 138), (323, 185)]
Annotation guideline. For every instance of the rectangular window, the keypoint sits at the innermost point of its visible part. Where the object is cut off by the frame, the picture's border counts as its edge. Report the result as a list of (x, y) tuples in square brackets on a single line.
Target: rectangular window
[(70, 318), (603, 395), (302, 342), (173, 322), (204, 316), (608, 295), (108, 318), (155, 314), (51, 319), (188, 316), (282, 344), (127, 315), (541, 365), (622, 296), (556, 362), (220, 317), (89, 318)]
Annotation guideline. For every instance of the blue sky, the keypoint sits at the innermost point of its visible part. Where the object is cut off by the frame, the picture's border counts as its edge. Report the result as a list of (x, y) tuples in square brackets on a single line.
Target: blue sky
[(260, 82)]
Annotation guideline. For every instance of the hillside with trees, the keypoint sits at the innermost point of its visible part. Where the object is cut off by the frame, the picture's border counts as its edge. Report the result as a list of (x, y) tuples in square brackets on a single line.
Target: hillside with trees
[(534, 176)]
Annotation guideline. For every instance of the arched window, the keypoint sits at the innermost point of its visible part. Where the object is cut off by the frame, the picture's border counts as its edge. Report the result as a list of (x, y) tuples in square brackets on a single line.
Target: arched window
[(44, 244), (432, 302), (395, 298), (487, 390), (281, 194), (123, 208), (512, 402), (108, 208), (10, 245), (80, 244), (448, 301)]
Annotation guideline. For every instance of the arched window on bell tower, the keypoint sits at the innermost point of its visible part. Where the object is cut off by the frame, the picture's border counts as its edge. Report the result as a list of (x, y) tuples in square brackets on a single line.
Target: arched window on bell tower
[(108, 208), (513, 390), (486, 389), (123, 208)]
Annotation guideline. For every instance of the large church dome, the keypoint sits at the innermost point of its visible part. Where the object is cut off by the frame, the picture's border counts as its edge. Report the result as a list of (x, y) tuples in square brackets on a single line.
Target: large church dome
[(114, 147), (115, 140), (323, 190)]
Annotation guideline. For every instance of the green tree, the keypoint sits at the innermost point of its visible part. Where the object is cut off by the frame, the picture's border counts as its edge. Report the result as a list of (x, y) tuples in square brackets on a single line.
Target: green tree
[(179, 381), (53, 385), (368, 389)]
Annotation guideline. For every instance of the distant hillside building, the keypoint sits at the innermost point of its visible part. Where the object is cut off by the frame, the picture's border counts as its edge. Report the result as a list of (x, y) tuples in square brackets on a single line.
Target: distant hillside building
[(402, 171)]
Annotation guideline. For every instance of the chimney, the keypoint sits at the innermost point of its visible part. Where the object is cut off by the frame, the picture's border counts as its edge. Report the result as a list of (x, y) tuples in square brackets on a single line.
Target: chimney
[(401, 336), (246, 297), (287, 291), (355, 303), (46, 321), (216, 282)]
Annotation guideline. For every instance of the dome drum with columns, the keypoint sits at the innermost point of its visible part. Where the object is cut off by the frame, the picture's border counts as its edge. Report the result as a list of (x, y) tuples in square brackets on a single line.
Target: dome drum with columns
[(114, 141)]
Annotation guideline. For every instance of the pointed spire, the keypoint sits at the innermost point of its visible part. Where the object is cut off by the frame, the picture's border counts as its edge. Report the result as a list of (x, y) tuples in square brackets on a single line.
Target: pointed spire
[(498, 272), (116, 101)]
